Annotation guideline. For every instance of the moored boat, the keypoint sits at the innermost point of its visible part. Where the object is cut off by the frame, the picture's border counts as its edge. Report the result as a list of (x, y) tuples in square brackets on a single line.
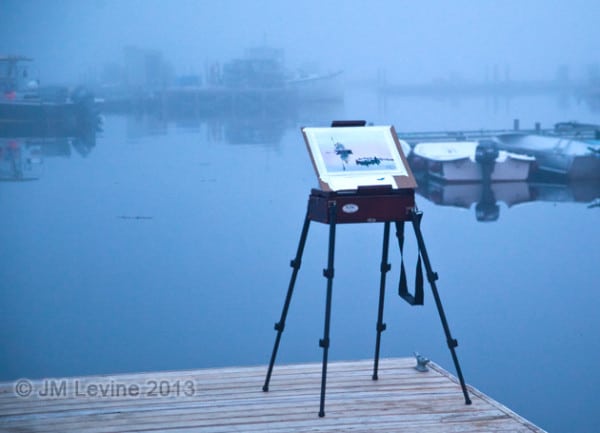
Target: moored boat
[(27, 108), (471, 161), (565, 156), (317, 87)]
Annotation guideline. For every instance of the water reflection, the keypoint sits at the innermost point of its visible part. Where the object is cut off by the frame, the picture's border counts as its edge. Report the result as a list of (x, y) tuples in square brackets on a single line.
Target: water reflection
[(146, 241), (485, 198), (19, 160), (265, 128), (22, 158), (261, 130)]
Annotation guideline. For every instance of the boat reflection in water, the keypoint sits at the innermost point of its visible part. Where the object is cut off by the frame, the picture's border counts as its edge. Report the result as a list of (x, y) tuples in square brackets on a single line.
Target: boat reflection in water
[(22, 158), (40, 121), (485, 197), (19, 160), (266, 129)]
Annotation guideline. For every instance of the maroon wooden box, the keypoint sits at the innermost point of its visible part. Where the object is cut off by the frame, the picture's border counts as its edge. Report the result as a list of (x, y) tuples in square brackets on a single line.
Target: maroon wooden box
[(363, 205)]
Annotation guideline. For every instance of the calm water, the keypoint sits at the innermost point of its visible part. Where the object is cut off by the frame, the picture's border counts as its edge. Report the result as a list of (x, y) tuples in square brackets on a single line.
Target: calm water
[(167, 247)]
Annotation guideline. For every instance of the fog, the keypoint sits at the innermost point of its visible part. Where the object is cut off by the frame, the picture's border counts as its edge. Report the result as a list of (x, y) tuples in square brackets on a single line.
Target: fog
[(411, 41)]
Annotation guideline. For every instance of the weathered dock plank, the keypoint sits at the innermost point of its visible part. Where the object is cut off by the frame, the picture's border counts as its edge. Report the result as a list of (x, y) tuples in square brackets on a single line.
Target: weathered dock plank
[(231, 399)]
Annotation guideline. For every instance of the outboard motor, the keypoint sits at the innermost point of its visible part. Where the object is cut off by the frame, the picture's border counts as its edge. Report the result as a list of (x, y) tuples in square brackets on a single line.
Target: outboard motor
[(88, 115), (486, 153)]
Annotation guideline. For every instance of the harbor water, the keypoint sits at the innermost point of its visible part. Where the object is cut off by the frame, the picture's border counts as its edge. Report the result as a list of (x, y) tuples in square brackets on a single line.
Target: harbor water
[(164, 243)]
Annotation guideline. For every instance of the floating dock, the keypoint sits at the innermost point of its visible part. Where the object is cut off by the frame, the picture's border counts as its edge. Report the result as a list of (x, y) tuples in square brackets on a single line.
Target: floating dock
[(231, 399), (568, 130)]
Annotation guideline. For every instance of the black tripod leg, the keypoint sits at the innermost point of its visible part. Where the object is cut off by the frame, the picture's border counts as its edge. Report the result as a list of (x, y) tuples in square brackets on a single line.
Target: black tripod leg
[(385, 267), (432, 277), (328, 273), (279, 326)]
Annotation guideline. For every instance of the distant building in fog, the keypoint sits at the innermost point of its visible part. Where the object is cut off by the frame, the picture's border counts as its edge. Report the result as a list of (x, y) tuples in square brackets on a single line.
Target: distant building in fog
[(146, 69)]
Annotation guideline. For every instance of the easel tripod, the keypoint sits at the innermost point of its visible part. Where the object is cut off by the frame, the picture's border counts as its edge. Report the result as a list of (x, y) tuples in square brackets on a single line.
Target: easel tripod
[(366, 205)]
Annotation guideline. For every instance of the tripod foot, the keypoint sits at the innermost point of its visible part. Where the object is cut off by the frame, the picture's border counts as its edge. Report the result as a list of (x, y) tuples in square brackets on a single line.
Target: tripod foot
[(321, 414), (265, 388)]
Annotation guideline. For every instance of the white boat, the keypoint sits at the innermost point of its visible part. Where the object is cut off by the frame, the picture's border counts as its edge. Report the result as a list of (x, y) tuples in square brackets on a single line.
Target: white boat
[(471, 161), (317, 87), (565, 156)]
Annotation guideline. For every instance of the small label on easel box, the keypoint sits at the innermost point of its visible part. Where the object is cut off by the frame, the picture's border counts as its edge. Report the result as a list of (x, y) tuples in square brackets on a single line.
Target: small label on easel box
[(350, 208)]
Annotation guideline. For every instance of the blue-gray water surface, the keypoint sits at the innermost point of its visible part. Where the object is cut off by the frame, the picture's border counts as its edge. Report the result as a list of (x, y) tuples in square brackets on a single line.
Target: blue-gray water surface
[(166, 245)]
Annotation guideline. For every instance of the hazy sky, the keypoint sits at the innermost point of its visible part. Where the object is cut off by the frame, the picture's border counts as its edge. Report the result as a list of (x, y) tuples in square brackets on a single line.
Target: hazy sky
[(411, 40)]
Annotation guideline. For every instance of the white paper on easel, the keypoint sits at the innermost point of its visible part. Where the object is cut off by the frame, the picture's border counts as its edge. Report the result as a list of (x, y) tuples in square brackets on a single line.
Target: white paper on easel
[(348, 157)]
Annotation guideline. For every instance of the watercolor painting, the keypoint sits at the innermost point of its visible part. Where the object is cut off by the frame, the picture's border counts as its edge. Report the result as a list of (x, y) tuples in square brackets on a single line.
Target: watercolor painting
[(347, 150)]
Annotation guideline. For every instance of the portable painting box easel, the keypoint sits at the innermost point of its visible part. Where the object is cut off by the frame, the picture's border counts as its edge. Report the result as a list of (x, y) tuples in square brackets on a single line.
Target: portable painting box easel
[(364, 178)]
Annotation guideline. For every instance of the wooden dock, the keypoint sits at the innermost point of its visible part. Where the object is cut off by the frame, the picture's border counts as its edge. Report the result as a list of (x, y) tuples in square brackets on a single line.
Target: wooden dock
[(231, 399), (566, 130)]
